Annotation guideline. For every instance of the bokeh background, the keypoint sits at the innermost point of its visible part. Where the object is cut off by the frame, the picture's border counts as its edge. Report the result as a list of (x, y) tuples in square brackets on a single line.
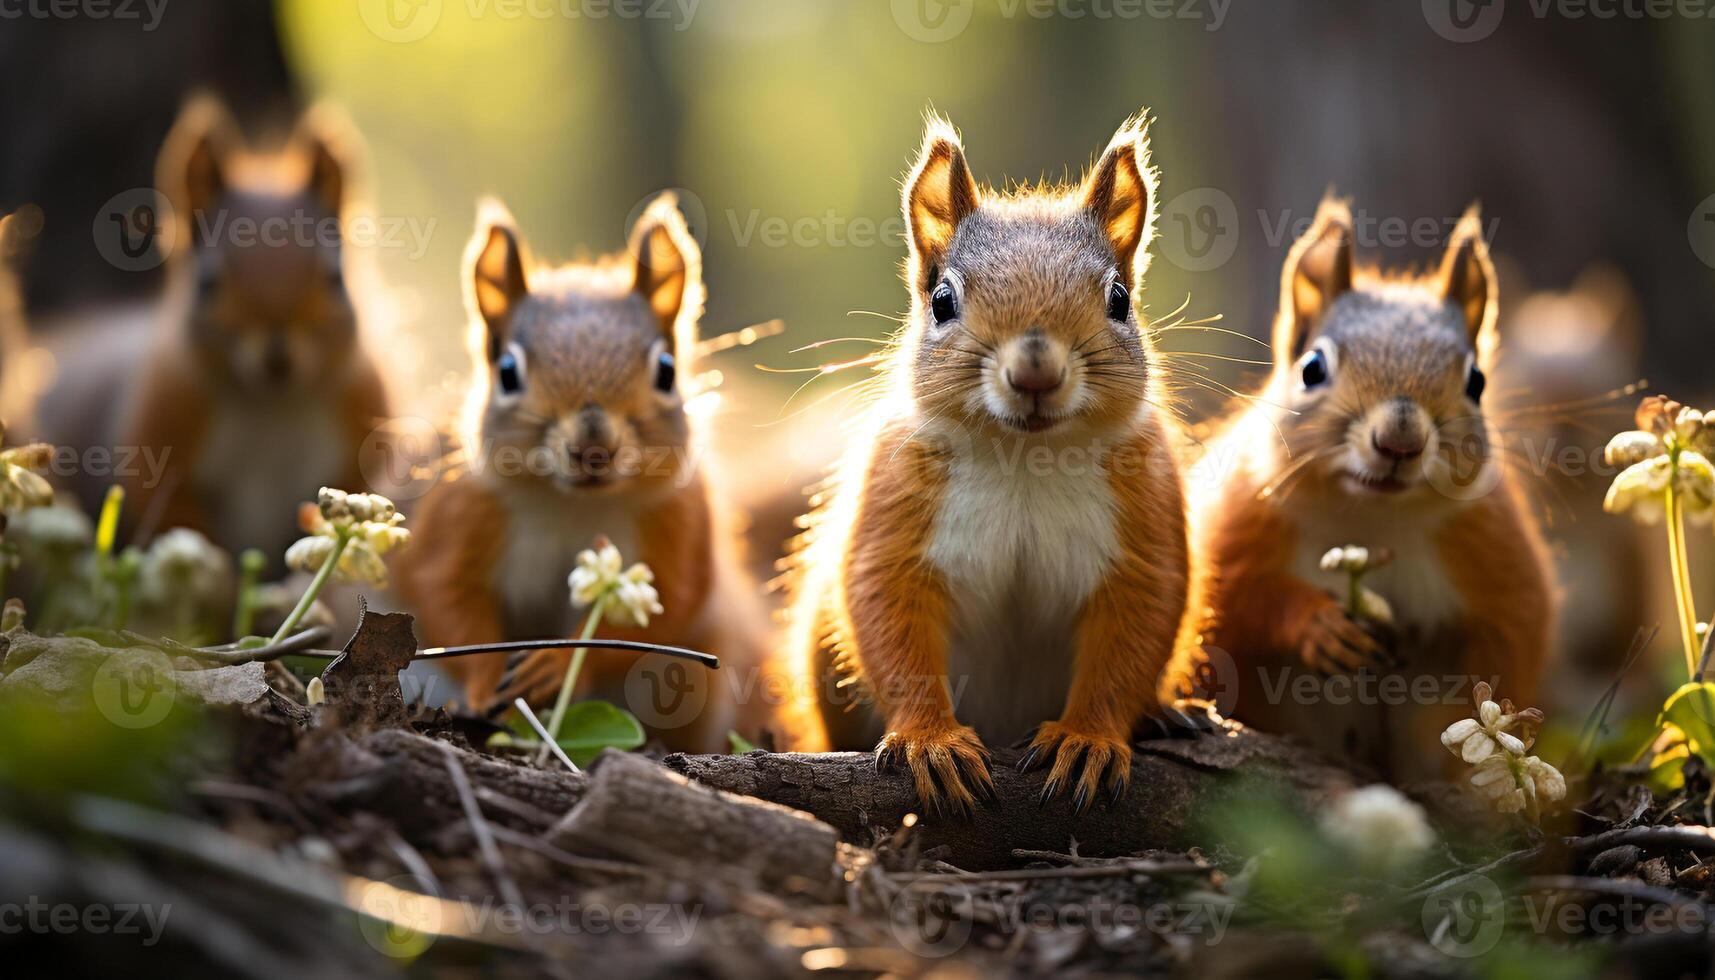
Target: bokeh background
[(786, 126)]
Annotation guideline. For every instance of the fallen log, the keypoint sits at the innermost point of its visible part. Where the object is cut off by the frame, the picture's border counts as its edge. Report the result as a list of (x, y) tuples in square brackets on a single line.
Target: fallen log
[(1177, 786)]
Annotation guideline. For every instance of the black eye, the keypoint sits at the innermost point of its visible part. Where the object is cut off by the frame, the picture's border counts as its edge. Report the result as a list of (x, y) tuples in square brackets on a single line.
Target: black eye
[(1119, 303), (664, 373), (942, 303), (509, 373), (1315, 369), (1475, 384)]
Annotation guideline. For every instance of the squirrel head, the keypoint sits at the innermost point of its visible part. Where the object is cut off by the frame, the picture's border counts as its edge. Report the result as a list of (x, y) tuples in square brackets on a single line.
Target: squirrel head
[(580, 365), (1022, 313), (260, 248), (1384, 375)]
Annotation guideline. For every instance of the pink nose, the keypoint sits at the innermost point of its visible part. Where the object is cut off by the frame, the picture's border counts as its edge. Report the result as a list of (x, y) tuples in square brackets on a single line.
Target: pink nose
[(1398, 445), (1033, 376)]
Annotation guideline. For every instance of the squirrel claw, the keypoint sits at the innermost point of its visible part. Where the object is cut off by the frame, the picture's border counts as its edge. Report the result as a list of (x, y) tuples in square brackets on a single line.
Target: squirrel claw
[(1084, 763), (948, 763), (1335, 644)]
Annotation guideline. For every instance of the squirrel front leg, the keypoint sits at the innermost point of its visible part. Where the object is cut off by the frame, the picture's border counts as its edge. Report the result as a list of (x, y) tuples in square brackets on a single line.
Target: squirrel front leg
[(1126, 637), (170, 419), (895, 606), (1262, 606), (445, 575)]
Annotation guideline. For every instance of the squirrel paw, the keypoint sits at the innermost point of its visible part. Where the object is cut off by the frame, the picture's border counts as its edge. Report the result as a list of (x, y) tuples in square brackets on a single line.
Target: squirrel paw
[(944, 760), (1094, 759), (1335, 643)]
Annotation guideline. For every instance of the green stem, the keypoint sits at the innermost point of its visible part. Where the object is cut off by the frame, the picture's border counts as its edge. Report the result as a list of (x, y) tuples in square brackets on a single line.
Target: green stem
[(1355, 593), (1682, 579), (309, 596), (564, 698), (244, 618)]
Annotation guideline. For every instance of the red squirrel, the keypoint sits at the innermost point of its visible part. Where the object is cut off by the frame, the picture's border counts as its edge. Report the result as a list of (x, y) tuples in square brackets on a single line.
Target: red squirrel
[(579, 428), (1002, 555), (258, 389), (1371, 431)]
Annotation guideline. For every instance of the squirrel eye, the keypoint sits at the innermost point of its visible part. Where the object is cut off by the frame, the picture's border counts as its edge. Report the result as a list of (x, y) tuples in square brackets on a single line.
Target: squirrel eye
[(509, 374), (1119, 302), (665, 372), (1475, 383), (1315, 369), (942, 303)]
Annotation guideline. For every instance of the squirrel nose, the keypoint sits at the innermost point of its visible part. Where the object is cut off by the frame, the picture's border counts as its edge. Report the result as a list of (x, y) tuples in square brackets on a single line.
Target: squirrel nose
[(1035, 368), (1398, 445)]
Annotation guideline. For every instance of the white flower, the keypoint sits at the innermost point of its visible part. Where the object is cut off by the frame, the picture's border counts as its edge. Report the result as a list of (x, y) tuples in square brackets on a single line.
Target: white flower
[(56, 529), (1632, 447), (1475, 739), (368, 523), (22, 485), (1493, 779), (1505, 773), (1351, 558), (627, 597), (315, 692), (1546, 780), (183, 563), (597, 571), (1379, 827), (1669, 446)]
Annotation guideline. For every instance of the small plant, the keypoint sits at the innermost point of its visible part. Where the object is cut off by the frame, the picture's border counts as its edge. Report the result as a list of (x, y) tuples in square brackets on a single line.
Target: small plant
[(186, 574), (1356, 562), (626, 597), (1667, 476), (22, 487), (1497, 742), (348, 534), (250, 564)]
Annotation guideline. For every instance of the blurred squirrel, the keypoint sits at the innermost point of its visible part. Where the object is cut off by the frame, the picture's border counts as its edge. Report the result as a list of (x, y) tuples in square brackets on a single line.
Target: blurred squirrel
[(1002, 555), (1371, 431), (578, 427), (246, 388)]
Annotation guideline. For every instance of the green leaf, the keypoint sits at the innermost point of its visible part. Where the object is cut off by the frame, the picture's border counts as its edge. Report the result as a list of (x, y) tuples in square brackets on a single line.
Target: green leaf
[(1691, 709), (740, 744), (590, 726)]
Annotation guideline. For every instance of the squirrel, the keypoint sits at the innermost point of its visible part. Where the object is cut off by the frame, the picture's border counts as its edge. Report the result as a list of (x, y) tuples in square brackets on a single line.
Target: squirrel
[(1002, 555), (257, 390), (1371, 431), (577, 426)]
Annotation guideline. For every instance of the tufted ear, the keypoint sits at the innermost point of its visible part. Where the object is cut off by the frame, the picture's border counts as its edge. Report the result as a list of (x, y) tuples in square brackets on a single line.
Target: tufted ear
[(1120, 193), (939, 194), (1468, 277), (1318, 272), (324, 137), (191, 169), (495, 258), (668, 267)]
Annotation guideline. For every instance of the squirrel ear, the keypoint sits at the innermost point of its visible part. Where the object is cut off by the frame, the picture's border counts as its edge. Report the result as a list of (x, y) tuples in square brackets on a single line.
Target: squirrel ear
[(1120, 192), (191, 170), (496, 276), (1318, 271), (669, 266), (939, 194), (322, 134), (1468, 277)]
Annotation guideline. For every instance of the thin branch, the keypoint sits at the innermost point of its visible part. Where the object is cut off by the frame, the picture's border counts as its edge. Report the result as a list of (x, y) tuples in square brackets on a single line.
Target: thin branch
[(480, 829)]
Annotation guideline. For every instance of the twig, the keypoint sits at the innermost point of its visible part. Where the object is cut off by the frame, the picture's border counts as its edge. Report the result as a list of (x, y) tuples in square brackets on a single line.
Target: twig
[(540, 847), (1609, 886), (298, 644), (412, 859), (1032, 874), (480, 829), (517, 808), (1694, 838), (542, 733)]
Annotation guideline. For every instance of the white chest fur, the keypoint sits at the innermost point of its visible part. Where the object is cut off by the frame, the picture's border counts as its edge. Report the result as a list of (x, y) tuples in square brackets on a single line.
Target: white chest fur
[(262, 460), (545, 532), (1021, 548)]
